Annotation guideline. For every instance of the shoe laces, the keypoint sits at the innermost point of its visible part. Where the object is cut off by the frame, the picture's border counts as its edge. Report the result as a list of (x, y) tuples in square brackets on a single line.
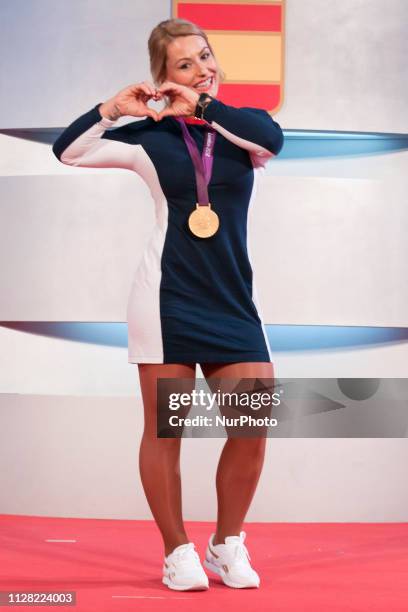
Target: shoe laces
[(185, 556), (241, 554)]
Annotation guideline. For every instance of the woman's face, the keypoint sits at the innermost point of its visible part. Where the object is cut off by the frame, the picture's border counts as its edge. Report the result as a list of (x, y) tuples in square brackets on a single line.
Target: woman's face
[(190, 61)]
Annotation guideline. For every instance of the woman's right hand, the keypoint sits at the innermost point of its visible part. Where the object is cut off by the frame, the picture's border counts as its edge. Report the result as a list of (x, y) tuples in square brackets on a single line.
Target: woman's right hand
[(132, 100)]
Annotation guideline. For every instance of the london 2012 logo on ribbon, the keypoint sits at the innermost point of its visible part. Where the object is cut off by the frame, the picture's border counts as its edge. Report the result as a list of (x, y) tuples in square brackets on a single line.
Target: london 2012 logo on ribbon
[(248, 40)]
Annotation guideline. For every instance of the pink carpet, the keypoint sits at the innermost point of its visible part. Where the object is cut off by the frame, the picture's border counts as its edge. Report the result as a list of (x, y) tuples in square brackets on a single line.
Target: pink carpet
[(115, 565)]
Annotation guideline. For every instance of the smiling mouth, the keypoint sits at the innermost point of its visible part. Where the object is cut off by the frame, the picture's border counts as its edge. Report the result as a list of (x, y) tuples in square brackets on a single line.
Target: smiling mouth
[(205, 84)]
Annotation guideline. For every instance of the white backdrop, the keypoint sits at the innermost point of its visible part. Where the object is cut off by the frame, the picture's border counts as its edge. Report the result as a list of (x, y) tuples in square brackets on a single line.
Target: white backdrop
[(328, 238)]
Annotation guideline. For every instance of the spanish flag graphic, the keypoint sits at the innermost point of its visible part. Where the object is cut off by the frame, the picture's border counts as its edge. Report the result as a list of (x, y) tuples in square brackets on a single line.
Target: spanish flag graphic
[(248, 40)]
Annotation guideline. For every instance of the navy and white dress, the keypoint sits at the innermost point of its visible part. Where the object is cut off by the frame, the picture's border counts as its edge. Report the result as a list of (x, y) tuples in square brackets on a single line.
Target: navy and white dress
[(193, 300)]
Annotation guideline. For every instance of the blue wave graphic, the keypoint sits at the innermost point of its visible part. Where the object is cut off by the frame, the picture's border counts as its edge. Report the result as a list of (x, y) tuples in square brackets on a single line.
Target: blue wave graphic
[(299, 144), (281, 337), (306, 144)]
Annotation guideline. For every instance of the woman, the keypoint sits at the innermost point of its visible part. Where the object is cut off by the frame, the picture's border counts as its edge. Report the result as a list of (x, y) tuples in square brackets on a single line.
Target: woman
[(193, 299)]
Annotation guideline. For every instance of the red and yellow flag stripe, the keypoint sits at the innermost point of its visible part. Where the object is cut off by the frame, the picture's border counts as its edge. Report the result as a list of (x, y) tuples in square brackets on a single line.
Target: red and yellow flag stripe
[(248, 40)]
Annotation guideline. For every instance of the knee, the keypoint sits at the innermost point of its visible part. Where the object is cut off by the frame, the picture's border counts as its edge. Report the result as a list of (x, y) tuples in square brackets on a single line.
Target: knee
[(160, 445)]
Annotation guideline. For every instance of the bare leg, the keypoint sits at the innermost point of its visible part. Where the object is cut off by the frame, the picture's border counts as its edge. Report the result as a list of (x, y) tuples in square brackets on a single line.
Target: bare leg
[(159, 458), (241, 460)]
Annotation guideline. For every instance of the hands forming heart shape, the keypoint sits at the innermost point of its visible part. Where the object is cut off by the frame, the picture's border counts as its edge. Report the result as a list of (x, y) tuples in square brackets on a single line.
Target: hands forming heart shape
[(132, 100)]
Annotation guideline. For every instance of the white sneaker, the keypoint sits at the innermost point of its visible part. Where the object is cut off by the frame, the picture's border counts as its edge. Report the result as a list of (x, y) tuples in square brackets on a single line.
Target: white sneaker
[(182, 569), (231, 562)]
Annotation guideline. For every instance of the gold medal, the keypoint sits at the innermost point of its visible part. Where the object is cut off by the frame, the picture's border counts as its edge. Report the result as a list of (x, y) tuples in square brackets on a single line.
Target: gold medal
[(203, 222)]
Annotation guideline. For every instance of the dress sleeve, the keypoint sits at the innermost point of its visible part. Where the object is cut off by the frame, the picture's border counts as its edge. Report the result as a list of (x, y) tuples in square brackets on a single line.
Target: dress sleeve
[(87, 142), (252, 129)]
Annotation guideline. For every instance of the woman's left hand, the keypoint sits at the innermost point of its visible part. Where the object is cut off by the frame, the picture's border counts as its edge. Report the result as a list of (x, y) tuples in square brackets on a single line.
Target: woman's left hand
[(183, 100)]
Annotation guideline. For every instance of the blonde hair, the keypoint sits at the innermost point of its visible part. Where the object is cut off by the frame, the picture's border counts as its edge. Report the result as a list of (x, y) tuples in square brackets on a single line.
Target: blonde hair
[(162, 35)]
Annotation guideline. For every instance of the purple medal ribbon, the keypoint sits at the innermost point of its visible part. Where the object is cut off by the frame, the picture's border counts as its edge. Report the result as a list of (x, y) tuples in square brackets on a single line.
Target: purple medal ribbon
[(202, 163)]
